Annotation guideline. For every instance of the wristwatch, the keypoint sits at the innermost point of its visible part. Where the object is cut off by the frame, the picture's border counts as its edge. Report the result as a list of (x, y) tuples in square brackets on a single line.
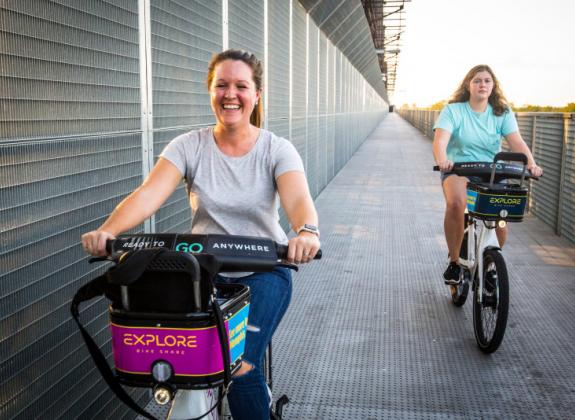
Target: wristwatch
[(309, 228)]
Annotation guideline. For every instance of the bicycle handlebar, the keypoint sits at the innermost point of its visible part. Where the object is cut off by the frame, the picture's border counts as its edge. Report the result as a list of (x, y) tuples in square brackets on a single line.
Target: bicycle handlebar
[(282, 251), (230, 252), (484, 170)]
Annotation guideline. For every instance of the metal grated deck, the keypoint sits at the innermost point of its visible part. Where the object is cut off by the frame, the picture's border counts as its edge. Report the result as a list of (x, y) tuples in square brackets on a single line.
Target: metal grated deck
[(371, 332)]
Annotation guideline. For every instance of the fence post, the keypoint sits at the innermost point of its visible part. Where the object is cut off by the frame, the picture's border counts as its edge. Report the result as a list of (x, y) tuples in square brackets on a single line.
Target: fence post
[(533, 134), (146, 102), (532, 148), (566, 118)]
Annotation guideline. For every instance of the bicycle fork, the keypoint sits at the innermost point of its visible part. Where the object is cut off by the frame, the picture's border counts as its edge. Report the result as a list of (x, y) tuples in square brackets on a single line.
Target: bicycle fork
[(476, 248)]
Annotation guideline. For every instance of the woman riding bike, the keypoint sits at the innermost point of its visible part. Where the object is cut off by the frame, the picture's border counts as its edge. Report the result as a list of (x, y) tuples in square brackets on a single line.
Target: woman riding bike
[(234, 172), (470, 129)]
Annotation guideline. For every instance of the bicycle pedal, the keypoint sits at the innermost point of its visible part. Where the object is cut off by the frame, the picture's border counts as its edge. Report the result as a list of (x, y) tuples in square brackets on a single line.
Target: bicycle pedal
[(452, 282), (278, 412)]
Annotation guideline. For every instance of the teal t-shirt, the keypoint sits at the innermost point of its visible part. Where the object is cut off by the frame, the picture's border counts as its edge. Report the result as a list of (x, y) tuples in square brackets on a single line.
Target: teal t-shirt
[(475, 136)]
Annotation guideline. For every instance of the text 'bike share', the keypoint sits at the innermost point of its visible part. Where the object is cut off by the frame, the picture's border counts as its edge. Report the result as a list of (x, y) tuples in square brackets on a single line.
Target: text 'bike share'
[(174, 329)]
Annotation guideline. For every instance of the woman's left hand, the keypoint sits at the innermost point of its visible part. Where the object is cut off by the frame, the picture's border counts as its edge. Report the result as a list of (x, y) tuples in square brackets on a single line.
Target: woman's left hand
[(535, 170), (303, 247)]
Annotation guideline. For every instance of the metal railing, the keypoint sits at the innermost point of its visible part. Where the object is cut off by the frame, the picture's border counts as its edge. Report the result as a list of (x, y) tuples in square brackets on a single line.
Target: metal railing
[(551, 138)]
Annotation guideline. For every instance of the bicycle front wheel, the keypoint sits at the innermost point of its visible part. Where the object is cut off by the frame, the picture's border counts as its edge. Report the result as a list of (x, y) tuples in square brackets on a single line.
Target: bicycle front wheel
[(490, 316)]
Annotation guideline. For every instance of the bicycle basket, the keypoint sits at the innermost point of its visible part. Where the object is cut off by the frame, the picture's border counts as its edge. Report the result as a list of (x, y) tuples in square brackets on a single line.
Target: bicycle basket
[(497, 202), (189, 342), (161, 324)]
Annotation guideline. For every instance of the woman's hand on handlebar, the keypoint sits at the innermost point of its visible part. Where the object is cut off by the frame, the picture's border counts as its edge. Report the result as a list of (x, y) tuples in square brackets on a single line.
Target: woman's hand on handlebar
[(535, 170), (94, 242), (303, 247), (445, 165)]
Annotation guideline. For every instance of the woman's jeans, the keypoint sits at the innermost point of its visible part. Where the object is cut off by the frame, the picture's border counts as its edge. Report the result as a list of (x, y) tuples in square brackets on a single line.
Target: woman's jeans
[(270, 296)]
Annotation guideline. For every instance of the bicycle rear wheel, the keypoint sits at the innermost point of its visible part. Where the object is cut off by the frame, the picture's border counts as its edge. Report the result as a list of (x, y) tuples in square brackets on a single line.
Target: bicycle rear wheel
[(490, 316)]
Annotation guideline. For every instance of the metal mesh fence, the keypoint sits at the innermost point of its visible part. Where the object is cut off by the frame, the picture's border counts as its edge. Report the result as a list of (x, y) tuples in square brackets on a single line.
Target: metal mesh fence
[(70, 149), (278, 86), (90, 95), (246, 26)]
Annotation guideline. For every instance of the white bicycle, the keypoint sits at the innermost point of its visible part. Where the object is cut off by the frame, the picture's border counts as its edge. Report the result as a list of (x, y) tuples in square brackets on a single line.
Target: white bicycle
[(492, 200), (174, 329)]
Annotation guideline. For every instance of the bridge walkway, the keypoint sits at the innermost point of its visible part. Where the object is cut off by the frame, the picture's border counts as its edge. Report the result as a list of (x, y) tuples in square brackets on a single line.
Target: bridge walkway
[(371, 332)]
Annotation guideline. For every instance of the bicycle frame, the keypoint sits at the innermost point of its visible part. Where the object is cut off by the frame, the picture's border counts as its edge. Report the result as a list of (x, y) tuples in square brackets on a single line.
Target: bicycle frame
[(189, 404), (475, 248)]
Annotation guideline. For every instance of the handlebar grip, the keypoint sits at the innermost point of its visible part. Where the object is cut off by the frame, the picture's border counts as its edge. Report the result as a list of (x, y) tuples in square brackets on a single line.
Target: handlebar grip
[(282, 251), (110, 245), (97, 259), (511, 156), (436, 168)]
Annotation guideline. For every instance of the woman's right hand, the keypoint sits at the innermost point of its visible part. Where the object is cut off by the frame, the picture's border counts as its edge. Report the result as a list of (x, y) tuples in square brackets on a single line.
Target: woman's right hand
[(94, 242), (445, 165)]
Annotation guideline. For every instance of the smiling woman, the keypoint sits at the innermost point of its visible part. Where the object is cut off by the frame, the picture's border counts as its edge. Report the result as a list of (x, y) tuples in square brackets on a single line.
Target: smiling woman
[(237, 174)]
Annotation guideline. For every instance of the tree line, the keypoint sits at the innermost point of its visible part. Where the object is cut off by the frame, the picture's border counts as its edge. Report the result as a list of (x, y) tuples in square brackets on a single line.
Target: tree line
[(438, 106)]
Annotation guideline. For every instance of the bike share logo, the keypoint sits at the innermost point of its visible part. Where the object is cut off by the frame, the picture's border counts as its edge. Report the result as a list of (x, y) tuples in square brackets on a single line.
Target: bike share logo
[(153, 243), (241, 247), (505, 201), (196, 248), (192, 248), (146, 340)]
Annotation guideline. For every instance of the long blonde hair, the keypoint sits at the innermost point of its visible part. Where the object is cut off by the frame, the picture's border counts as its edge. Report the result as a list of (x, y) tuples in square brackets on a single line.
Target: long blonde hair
[(257, 115), (496, 99)]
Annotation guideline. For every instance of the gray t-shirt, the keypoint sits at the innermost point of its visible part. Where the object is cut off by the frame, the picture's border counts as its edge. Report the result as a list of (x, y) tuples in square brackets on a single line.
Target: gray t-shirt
[(234, 195)]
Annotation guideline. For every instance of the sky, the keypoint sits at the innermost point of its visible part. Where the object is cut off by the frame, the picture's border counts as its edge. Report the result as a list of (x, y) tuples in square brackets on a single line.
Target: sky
[(529, 44)]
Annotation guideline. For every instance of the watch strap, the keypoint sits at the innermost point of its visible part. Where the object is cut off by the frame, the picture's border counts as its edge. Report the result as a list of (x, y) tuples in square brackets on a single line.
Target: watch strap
[(308, 228)]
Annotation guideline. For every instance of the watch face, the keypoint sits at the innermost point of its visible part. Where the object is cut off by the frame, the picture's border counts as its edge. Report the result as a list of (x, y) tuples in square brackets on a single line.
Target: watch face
[(311, 227)]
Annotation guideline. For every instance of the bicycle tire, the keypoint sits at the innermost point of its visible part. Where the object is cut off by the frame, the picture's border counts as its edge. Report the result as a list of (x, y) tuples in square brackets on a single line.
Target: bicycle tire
[(460, 291), (490, 316)]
